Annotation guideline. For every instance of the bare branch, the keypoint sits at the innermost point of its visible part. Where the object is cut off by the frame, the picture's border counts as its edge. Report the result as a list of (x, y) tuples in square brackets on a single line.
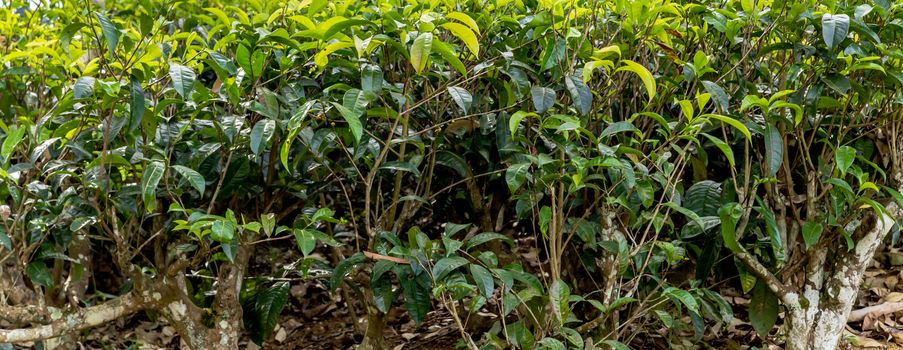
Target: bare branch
[(85, 318)]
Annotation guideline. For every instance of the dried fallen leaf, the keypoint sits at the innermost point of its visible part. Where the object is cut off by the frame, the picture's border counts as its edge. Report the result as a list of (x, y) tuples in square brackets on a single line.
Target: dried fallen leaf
[(281, 335)]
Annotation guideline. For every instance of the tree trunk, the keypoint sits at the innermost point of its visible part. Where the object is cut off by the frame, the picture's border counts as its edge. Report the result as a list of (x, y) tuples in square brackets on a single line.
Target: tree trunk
[(817, 316), (376, 323)]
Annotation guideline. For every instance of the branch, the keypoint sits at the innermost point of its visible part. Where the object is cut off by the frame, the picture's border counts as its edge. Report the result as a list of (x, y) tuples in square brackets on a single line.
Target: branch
[(762, 273), (876, 310), (24, 314), (82, 319)]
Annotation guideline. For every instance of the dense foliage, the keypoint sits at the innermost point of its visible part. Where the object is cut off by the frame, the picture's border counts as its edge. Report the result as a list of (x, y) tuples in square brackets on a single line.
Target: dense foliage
[(655, 153)]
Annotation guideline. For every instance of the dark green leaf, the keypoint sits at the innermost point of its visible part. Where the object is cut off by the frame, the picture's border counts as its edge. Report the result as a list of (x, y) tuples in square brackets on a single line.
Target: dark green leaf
[(83, 88), (261, 134), (515, 176), (811, 233), (763, 309), (353, 120), (149, 181), (834, 28), (110, 32), (267, 305), (461, 97), (580, 94), (446, 265), (416, 290), (543, 98), (618, 127), (721, 98), (182, 79), (774, 149), (844, 157), (703, 198), (486, 237), (483, 279), (222, 231), (371, 79), (38, 272), (342, 269), (136, 104), (729, 214), (194, 178)]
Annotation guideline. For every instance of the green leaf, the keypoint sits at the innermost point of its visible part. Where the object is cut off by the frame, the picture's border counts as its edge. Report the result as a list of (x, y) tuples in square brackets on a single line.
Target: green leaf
[(730, 121), (465, 34), (514, 121), (136, 104), (559, 293), (643, 73), (703, 198), (306, 241), (67, 34), (580, 94), (551, 344), (682, 297), (774, 234), (446, 265), (4, 240), (812, 233), (483, 279), (516, 175), (353, 120), (39, 274), (844, 157), (834, 28), (723, 146), (401, 166), (774, 149), (484, 237), (223, 62), (267, 305), (461, 97), (614, 344), (420, 51), (382, 291), (12, 140), (83, 88), (371, 78), (356, 101), (149, 181), (618, 127), (747, 279), (545, 218), (261, 134), (449, 56), (182, 79), (543, 98), (729, 214), (686, 212), (194, 178), (268, 221), (222, 231), (342, 269), (81, 222), (416, 290), (763, 309), (110, 32), (721, 97)]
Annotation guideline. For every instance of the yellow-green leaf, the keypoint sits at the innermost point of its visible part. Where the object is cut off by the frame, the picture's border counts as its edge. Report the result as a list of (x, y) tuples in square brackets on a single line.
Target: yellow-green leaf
[(464, 18), (730, 121), (643, 73), (465, 34), (420, 51)]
